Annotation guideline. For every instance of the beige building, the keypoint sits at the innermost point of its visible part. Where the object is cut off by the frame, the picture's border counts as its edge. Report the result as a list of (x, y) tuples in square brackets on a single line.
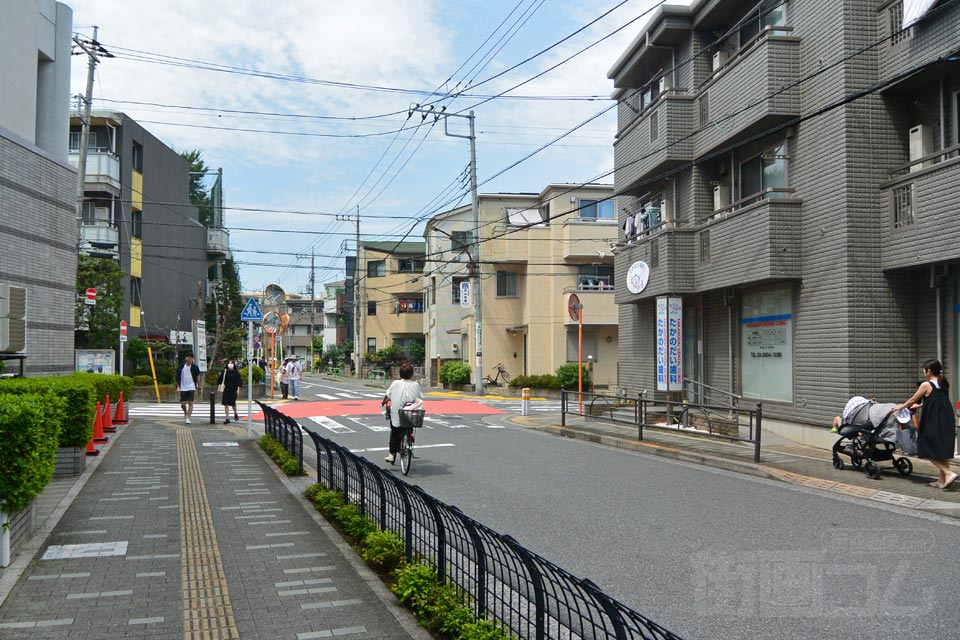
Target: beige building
[(535, 251), (390, 286)]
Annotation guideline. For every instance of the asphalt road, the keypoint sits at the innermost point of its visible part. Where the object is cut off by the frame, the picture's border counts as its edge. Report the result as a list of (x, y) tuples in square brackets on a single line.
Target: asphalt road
[(706, 553)]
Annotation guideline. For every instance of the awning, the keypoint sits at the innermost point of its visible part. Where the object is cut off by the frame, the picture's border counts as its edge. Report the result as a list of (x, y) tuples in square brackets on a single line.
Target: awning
[(913, 10)]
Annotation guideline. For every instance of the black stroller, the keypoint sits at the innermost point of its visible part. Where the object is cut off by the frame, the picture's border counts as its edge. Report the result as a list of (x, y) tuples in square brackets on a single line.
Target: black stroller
[(868, 435)]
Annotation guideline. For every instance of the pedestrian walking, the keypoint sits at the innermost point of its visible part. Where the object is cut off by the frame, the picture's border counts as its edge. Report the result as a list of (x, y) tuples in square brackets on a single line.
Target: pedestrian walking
[(230, 382), (936, 433), (189, 384), (400, 393), (294, 374), (284, 379)]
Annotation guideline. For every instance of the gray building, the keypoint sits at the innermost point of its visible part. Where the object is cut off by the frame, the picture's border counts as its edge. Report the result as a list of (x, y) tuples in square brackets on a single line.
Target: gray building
[(137, 210), (789, 177), (38, 188)]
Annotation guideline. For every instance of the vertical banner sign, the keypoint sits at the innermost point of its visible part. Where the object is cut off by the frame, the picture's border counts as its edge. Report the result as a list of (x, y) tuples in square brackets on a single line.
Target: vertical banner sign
[(200, 343), (465, 295), (669, 332)]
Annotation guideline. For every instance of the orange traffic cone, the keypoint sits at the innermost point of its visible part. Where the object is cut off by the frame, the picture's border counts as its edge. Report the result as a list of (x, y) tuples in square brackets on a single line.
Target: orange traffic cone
[(120, 417), (107, 420), (92, 450), (98, 436)]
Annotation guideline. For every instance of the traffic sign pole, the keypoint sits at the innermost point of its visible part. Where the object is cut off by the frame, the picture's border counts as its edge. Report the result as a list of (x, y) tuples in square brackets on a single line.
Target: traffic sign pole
[(249, 374), (123, 338)]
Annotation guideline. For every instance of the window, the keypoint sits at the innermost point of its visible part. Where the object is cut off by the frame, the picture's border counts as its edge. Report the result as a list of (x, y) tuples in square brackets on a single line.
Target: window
[(770, 14), (137, 157), (376, 268), (766, 171), (705, 245), (410, 265), (589, 344), (704, 109), (461, 241), (409, 306), (525, 217), (591, 277), (903, 206), (654, 126), (433, 290), (897, 33), (766, 344), (371, 345), (136, 224), (506, 284), (597, 210), (455, 298), (371, 308), (135, 292)]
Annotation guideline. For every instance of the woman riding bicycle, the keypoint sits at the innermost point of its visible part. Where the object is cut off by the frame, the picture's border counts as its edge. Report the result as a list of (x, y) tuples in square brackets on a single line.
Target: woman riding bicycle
[(400, 393)]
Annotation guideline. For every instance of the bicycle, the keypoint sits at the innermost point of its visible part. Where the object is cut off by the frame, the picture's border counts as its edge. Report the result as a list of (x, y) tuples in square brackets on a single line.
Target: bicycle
[(410, 419), (495, 380)]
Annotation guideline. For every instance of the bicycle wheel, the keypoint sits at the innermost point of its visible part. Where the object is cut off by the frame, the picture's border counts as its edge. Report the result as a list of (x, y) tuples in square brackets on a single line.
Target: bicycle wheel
[(505, 376), (406, 452)]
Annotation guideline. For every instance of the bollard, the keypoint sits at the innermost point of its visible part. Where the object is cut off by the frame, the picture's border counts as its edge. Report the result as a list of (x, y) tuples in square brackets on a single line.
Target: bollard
[(525, 401), (213, 407)]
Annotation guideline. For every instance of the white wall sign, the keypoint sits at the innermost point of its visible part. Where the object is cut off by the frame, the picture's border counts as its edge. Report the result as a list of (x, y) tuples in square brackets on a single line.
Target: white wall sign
[(200, 343), (669, 344), (637, 277), (465, 294)]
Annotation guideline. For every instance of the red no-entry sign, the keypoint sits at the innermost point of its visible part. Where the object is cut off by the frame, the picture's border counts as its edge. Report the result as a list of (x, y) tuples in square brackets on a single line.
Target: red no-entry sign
[(91, 296), (123, 327)]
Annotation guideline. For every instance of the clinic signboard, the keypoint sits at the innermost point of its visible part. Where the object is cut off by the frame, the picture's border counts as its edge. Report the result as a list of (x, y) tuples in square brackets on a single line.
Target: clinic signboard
[(669, 336), (94, 360)]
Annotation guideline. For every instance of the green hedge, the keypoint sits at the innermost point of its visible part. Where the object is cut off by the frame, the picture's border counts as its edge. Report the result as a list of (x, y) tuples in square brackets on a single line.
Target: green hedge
[(105, 385), (567, 375), (79, 408), (455, 372), (29, 432), (289, 464), (545, 381)]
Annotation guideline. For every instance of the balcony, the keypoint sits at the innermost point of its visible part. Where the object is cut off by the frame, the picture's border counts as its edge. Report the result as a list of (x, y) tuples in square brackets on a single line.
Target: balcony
[(753, 91), (656, 141), (587, 239), (935, 36), (919, 212), (669, 252), (408, 316), (103, 170), (749, 243), (218, 242), (99, 238), (598, 307)]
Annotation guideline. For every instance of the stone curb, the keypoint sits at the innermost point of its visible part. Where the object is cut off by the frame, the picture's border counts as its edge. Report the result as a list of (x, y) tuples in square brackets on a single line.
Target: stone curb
[(403, 617), (938, 507)]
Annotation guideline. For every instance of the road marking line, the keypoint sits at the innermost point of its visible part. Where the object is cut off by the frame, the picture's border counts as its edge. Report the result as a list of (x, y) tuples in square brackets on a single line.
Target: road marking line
[(331, 425)]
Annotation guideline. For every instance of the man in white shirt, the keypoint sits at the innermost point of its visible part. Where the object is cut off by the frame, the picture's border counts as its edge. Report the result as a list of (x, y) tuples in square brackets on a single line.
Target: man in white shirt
[(294, 373), (189, 383)]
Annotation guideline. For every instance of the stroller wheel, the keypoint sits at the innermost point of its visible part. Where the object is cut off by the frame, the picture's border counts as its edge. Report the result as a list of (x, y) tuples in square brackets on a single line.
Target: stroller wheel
[(855, 461), (904, 466), (837, 463), (872, 469)]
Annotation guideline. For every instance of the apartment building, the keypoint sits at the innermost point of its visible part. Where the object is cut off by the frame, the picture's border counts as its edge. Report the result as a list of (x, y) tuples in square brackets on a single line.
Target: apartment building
[(38, 190), (787, 180), (335, 316), (389, 281), (306, 321), (536, 250), (137, 210)]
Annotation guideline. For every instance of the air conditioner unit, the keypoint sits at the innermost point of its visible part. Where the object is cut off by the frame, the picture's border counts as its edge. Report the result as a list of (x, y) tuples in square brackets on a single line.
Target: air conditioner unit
[(666, 83), (13, 311), (921, 145), (721, 197), (666, 211), (101, 213), (719, 59)]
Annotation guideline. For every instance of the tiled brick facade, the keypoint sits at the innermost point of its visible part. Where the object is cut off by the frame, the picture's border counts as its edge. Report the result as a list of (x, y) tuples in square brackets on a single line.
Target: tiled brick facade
[(864, 302)]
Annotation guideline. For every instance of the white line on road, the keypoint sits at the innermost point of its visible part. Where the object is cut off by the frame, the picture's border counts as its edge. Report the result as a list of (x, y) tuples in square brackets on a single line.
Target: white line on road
[(419, 446), (327, 397), (331, 425)]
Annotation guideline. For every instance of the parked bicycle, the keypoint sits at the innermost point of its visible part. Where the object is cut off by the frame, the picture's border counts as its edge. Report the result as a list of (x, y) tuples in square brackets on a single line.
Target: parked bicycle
[(502, 374)]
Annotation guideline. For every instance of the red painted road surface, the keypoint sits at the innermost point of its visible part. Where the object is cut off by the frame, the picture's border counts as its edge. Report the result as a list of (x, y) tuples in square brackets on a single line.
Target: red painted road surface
[(305, 409)]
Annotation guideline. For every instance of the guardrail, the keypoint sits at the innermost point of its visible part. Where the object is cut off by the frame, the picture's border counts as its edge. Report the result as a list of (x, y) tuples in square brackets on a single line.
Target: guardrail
[(500, 579), (727, 422), (284, 430)]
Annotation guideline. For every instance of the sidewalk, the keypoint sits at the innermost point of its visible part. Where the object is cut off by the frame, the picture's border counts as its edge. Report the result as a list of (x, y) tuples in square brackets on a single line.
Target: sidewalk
[(181, 531), (780, 459)]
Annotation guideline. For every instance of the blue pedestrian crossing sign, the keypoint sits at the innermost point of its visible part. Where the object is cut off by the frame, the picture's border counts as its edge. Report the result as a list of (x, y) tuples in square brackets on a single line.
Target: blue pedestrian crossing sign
[(251, 312)]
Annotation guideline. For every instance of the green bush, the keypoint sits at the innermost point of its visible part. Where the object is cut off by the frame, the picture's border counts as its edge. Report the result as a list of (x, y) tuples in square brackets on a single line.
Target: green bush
[(166, 374), (483, 630), (258, 374), (106, 385), (286, 462), (439, 607), (567, 376), (143, 381), (29, 433), (455, 372), (354, 523), (383, 550), (545, 381), (79, 409)]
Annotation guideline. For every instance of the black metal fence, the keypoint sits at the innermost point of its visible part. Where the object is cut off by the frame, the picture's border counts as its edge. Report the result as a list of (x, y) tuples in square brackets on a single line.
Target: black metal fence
[(532, 597), (727, 422), (284, 430)]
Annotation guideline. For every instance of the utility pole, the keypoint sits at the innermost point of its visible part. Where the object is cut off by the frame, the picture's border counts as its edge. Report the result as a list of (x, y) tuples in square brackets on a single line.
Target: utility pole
[(313, 308), (475, 207), (92, 49), (357, 324)]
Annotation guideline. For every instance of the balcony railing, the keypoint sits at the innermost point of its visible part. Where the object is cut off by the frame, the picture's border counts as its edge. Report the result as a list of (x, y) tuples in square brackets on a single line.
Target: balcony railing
[(659, 138), (103, 167), (218, 241), (102, 234)]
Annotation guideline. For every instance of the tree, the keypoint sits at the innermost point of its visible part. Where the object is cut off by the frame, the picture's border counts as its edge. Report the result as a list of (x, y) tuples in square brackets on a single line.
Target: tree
[(198, 192), (137, 351), (98, 326), (223, 316), (318, 344)]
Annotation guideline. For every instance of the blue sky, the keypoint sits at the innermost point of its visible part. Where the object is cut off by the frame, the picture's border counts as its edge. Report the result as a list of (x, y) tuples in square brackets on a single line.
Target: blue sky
[(411, 45)]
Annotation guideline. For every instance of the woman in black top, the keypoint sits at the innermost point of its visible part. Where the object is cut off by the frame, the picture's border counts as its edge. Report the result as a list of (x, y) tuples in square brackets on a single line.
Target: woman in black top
[(230, 379), (935, 437)]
